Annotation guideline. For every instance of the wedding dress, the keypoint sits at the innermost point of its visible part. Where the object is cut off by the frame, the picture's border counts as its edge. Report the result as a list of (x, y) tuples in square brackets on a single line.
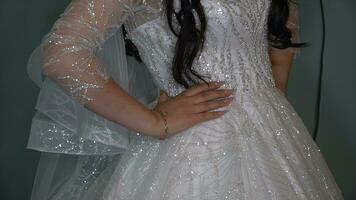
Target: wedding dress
[(259, 150)]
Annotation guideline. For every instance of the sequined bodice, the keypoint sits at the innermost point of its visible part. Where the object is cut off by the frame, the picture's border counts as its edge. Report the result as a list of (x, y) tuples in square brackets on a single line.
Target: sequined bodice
[(235, 50)]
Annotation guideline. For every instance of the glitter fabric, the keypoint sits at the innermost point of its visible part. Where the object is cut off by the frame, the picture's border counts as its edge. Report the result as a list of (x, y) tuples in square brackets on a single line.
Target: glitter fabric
[(259, 150)]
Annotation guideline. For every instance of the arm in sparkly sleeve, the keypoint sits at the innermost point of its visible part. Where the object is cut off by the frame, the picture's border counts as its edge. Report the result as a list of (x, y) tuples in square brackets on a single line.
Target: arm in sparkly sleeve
[(282, 59), (69, 48), (70, 60), (293, 26)]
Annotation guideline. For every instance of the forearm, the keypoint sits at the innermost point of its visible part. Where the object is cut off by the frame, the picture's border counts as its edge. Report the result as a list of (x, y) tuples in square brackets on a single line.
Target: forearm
[(281, 61), (281, 76), (115, 104), (69, 58)]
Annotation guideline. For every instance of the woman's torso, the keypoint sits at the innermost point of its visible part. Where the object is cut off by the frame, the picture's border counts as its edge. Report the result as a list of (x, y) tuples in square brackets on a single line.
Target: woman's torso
[(235, 49)]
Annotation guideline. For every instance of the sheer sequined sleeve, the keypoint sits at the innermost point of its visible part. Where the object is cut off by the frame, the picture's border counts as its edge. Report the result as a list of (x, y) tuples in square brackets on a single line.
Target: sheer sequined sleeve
[(294, 26), (70, 47)]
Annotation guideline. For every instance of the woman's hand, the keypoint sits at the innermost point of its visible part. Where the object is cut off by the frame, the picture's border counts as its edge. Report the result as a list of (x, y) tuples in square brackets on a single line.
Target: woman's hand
[(191, 107)]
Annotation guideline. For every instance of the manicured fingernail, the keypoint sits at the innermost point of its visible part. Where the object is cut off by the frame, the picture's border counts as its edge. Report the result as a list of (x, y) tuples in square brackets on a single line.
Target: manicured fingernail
[(228, 92), (223, 112), (228, 99), (233, 91)]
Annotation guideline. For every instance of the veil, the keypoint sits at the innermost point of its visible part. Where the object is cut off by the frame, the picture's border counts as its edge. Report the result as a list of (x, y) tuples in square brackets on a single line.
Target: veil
[(76, 144)]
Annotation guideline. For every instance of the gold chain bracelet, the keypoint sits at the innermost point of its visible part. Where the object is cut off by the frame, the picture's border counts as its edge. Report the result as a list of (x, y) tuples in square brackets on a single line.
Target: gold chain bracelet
[(163, 115)]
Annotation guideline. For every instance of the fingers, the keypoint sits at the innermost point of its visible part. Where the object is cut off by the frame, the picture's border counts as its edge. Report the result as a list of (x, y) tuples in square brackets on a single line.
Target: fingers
[(202, 87), (212, 95), (206, 116), (163, 96), (212, 105)]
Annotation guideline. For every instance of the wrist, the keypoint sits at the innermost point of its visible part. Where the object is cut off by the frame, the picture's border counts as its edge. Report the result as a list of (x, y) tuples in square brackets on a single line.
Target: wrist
[(163, 116), (156, 125)]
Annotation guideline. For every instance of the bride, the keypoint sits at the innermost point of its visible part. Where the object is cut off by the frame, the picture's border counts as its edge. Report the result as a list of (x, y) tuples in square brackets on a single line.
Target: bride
[(206, 119)]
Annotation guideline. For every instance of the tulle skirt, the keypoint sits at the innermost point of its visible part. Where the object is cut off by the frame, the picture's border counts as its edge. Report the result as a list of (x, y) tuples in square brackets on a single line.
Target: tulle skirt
[(259, 150)]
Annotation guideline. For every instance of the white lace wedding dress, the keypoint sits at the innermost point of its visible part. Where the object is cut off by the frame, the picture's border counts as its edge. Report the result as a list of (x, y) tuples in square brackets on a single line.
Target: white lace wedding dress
[(259, 150)]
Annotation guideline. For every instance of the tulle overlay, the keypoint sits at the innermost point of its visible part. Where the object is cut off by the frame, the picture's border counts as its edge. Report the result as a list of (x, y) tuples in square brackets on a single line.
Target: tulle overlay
[(259, 150), (62, 125)]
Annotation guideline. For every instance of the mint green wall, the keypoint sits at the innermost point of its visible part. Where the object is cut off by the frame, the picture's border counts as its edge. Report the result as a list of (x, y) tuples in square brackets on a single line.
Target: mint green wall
[(337, 133), (23, 23), (303, 82)]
